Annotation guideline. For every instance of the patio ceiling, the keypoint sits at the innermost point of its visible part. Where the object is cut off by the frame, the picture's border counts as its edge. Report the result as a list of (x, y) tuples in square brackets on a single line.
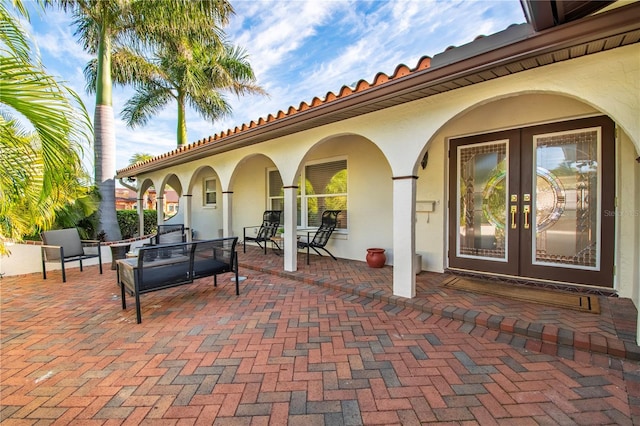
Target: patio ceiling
[(543, 14), (516, 49)]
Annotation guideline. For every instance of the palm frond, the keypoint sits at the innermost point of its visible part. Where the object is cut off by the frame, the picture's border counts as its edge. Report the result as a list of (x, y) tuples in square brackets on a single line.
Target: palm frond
[(43, 103), (13, 36), (147, 101)]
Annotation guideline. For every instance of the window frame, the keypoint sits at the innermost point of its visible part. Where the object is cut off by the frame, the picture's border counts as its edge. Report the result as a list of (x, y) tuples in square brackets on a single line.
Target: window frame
[(303, 198), (205, 192)]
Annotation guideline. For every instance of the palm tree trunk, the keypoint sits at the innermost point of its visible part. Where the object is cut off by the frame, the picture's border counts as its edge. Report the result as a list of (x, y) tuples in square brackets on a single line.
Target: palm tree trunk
[(182, 121), (105, 166), (105, 141)]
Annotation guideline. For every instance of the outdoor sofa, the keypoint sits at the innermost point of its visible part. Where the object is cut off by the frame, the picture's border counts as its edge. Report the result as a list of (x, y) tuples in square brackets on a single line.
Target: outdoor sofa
[(169, 265)]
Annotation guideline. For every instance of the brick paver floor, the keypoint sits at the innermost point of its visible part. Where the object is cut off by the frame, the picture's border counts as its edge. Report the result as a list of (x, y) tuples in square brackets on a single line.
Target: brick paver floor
[(292, 349)]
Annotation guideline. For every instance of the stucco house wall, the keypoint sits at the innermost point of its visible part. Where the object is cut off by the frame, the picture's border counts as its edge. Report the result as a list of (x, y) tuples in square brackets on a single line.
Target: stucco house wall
[(385, 149), (391, 142)]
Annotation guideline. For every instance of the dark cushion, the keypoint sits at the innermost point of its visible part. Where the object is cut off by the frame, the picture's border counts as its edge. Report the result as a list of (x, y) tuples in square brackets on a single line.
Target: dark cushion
[(207, 267), (164, 276)]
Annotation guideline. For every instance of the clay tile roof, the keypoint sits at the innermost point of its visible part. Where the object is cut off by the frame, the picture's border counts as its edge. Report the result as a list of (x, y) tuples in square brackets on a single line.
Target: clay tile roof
[(361, 86)]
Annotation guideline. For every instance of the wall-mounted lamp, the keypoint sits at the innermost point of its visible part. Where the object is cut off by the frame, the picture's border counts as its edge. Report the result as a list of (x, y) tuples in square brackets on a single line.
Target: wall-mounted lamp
[(424, 161)]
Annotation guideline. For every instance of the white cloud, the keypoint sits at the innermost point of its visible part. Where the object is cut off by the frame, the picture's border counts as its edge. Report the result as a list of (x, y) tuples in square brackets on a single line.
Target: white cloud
[(298, 49)]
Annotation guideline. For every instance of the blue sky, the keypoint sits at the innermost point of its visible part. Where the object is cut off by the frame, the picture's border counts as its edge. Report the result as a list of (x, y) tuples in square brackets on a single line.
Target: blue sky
[(299, 49)]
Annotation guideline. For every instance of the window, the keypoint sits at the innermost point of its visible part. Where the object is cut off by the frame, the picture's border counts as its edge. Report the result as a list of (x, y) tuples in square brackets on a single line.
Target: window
[(275, 190), (210, 195), (325, 188)]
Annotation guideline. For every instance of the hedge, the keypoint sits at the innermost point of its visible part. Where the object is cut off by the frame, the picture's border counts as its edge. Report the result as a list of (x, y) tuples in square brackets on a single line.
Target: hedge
[(128, 221)]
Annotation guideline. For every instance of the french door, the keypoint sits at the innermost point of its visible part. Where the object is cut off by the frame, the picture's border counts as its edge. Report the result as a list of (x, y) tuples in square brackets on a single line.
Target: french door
[(535, 202)]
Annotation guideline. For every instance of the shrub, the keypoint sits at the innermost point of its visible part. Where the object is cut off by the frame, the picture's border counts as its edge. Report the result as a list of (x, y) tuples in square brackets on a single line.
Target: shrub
[(128, 222)]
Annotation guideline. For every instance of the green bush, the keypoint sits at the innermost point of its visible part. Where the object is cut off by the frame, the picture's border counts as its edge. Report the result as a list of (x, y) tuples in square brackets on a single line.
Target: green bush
[(128, 222)]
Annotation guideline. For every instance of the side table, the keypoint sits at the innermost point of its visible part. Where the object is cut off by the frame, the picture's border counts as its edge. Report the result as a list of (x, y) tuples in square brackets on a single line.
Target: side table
[(118, 251)]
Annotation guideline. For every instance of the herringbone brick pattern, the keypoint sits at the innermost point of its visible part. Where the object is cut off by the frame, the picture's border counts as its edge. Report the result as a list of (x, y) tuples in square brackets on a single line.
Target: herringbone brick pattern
[(551, 329), (283, 352)]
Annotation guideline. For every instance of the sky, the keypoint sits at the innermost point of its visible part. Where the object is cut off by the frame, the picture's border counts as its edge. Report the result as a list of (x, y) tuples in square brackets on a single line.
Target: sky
[(298, 49)]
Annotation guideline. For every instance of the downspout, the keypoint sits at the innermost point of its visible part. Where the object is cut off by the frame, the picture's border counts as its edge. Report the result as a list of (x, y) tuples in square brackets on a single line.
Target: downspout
[(126, 185)]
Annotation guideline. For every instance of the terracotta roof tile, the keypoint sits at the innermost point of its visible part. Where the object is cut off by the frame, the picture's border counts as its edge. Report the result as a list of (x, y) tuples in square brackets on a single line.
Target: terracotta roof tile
[(362, 85)]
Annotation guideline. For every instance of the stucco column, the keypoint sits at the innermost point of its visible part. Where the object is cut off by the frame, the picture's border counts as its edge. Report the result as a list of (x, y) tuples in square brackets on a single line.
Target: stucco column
[(227, 225), (404, 235), (160, 210), (290, 225), (636, 273), (140, 209), (186, 201)]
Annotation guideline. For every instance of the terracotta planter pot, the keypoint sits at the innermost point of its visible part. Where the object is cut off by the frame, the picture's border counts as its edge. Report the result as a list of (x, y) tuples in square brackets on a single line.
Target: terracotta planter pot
[(376, 257)]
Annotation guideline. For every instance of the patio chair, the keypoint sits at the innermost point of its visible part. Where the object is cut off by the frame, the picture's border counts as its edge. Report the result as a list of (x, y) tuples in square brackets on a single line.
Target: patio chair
[(169, 234), (270, 224), (65, 245), (322, 234)]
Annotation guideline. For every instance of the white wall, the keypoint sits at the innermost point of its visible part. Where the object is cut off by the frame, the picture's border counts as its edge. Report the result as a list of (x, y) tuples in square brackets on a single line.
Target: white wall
[(205, 220), (604, 83), (26, 259), (249, 193)]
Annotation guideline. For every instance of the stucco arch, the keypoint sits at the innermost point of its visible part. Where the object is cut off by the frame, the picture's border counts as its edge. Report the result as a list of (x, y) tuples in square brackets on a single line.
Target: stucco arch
[(145, 185), (193, 179), (608, 87), (560, 106), (511, 109), (319, 150), (173, 181), (605, 83), (237, 169)]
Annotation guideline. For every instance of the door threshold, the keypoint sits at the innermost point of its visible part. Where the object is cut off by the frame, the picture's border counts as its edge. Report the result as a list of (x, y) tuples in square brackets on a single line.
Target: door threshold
[(532, 282)]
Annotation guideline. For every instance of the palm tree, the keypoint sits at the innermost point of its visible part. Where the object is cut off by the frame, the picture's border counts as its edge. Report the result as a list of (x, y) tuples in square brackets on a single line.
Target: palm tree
[(185, 71), (139, 157), (43, 127), (103, 25)]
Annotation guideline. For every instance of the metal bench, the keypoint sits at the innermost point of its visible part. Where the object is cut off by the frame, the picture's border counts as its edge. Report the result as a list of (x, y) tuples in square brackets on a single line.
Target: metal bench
[(169, 265)]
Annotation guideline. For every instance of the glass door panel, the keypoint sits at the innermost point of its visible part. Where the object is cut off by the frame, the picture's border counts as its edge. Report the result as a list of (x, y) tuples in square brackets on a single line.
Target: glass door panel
[(484, 233), (482, 202), (567, 200)]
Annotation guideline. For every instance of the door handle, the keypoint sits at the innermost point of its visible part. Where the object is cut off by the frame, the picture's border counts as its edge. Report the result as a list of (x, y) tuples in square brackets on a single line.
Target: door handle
[(514, 211), (526, 210)]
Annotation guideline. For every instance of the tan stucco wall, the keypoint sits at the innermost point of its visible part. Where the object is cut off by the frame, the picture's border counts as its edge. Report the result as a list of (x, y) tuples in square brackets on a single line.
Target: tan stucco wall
[(207, 223), (368, 208), (628, 221)]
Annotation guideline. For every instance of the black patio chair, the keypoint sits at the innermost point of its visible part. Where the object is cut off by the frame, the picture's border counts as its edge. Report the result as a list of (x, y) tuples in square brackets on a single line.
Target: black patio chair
[(322, 234), (169, 234), (270, 224), (65, 245)]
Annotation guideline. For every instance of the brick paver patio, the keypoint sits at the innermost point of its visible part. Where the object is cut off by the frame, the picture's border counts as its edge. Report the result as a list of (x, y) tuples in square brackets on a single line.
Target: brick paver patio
[(325, 345)]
